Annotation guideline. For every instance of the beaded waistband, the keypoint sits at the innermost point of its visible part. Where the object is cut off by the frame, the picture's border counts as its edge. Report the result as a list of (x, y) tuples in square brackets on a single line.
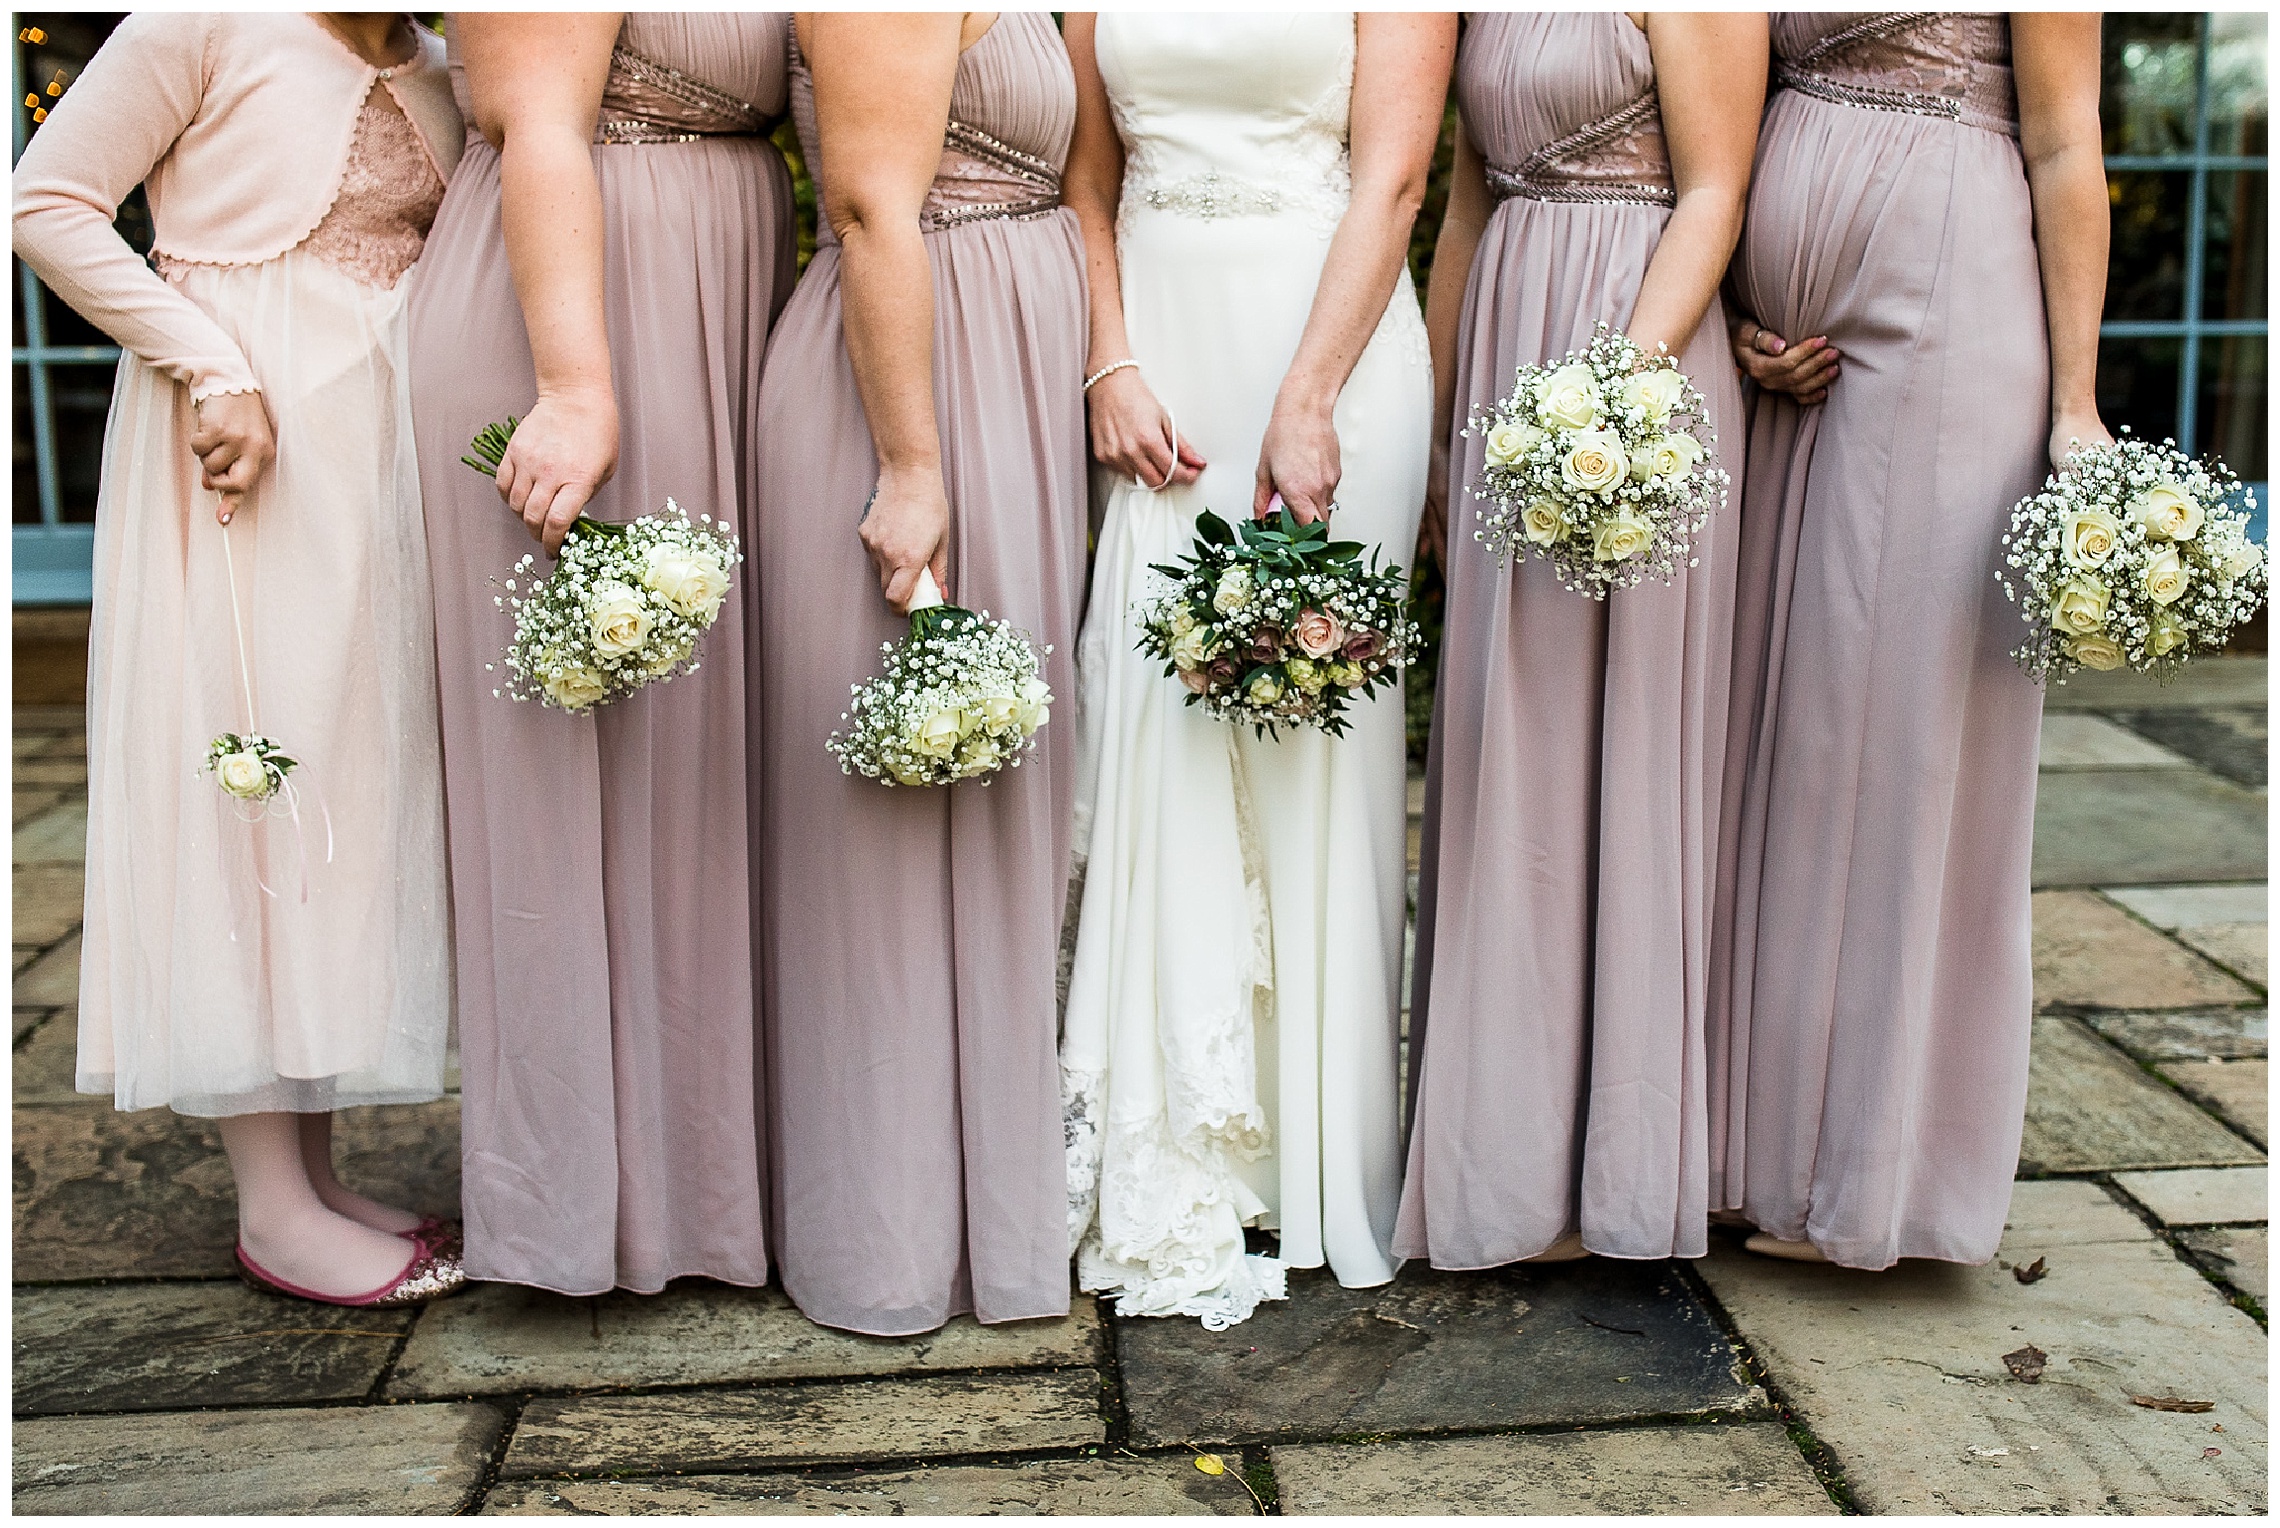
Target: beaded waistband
[(1875, 98), (636, 130), (1506, 184), (1009, 184), (719, 114)]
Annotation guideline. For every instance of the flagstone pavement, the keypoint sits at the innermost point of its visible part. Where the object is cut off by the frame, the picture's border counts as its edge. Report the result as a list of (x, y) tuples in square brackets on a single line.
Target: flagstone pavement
[(2133, 1272)]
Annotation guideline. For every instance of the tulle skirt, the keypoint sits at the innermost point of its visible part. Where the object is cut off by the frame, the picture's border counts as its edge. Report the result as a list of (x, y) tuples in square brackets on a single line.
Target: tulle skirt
[(296, 961)]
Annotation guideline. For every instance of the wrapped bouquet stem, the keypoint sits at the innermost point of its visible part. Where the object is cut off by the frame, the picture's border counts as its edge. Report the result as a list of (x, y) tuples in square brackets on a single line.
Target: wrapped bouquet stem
[(960, 698), (625, 606), (2135, 556)]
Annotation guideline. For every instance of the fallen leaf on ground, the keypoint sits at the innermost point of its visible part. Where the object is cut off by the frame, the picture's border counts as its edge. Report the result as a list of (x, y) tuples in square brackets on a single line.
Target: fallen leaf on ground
[(2026, 1365), (2031, 1272), (1211, 1464), (2211, 1453), (2171, 1403)]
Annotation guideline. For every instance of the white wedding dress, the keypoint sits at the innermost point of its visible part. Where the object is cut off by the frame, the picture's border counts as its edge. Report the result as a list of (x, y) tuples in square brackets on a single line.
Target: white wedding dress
[(1230, 1051)]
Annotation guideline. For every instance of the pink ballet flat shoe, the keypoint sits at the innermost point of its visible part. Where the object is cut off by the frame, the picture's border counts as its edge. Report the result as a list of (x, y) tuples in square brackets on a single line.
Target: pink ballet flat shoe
[(428, 1276), (1789, 1251), (440, 1236), (1568, 1249)]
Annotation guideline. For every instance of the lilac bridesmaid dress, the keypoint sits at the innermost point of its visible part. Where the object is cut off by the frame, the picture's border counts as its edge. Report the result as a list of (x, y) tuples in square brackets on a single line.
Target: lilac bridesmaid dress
[(1873, 994), (908, 936), (599, 864), (1572, 797)]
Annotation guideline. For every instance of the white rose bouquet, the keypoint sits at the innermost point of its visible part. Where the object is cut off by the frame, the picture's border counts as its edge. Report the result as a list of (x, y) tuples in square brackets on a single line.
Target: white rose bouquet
[(961, 699), (625, 605), (249, 767), (1596, 463), (1276, 625), (2136, 554)]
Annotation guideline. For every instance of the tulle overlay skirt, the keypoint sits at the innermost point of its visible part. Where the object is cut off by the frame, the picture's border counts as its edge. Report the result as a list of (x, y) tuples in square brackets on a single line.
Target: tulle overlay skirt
[(288, 963)]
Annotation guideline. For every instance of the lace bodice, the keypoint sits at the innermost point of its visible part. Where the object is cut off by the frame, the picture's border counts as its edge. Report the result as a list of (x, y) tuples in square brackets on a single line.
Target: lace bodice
[(682, 76), (1935, 64), (388, 197), (1229, 115), (1013, 106), (1563, 107)]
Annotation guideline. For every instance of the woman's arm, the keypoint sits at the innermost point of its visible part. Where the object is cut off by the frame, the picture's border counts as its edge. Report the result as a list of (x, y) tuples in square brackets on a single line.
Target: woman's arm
[(1710, 74), (536, 85), (1453, 250), (1401, 80), (882, 104), (2054, 58), (123, 114), (1129, 433)]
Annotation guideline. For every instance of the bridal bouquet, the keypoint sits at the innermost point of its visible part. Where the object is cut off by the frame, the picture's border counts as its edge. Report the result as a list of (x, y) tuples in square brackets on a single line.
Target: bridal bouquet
[(2135, 555), (961, 698), (1595, 463), (1276, 625), (625, 605)]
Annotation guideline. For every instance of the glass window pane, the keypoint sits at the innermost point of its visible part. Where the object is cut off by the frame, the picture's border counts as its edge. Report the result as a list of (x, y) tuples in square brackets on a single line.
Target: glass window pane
[(2232, 280), (2231, 405), (2137, 385), (2145, 275), (2149, 82), (2236, 82), (27, 475), (82, 397)]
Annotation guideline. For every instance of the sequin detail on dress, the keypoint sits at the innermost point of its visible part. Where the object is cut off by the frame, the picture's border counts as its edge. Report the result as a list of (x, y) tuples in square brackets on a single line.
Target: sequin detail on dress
[(1620, 158), (1940, 64), (387, 201), (645, 101)]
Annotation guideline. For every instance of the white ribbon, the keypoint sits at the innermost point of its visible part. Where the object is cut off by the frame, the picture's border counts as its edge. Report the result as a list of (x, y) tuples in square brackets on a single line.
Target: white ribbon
[(285, 792)]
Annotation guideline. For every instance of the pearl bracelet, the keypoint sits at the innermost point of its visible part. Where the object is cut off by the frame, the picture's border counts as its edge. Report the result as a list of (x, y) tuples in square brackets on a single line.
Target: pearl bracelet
[(1111, 367)]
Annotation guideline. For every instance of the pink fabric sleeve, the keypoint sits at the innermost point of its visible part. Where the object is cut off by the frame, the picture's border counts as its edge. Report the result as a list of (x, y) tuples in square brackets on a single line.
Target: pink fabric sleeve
[(121, 117)]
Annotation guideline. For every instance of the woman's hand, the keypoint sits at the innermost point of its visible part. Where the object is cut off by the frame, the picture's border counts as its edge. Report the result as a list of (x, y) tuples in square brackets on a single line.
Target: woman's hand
[(1132, 434), (234, 445), (906, 529), (2075, 430), (1803, 370), (1298, 459), (563, 452)]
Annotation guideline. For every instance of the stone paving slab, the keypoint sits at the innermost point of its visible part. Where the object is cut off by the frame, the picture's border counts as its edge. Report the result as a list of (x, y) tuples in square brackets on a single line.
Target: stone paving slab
[(62, 773), (28, 804), (424, 1460), (1512, 1347), (2088, 953), (2176, 907), (2241, 948), (161, 1347), (2239, 1091), (503, 1337), (28, 1019), (836, 1422), (2084, 740), (1901, 1373), (2203, 1196), (1126, 1487), (2204, 1035), (57, 836), (2215, 681), (49, 901), (2240, 1255), (2233, 741), (45, 1068), (2138, 827), (106, 1195), (1725, 1470), (52, 980), (2092, 1109)]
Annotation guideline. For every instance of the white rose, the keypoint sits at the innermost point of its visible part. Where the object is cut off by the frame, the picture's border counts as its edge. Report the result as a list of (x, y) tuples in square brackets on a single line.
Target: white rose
[(2165, 634), (2168, 513), (665, 657), (910, 772), (999, 712), (2095, 651), (1036, 704), (1542, 522), (1656, 391), (2080, 607), (1508, 443), (1234, 591), (980, 755), (690, 582), (1570, 399), (620, 619), (1189, 649), (1265, 689), (2088, 537), (574, 687), (1183, 619), (243, 775), (1670, 456), (2165, 577), (1622, 537), (937, 736), (2244, 558), (1595, 462)]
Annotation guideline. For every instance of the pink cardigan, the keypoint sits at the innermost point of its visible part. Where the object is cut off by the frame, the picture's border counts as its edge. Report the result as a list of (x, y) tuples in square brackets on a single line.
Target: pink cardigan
[(240, 126)]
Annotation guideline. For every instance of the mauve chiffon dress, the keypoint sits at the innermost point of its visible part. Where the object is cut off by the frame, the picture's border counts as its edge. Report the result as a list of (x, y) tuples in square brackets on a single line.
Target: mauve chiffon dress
[(1871, 1007), (599, 864), (1563, 916), (908, 936)]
